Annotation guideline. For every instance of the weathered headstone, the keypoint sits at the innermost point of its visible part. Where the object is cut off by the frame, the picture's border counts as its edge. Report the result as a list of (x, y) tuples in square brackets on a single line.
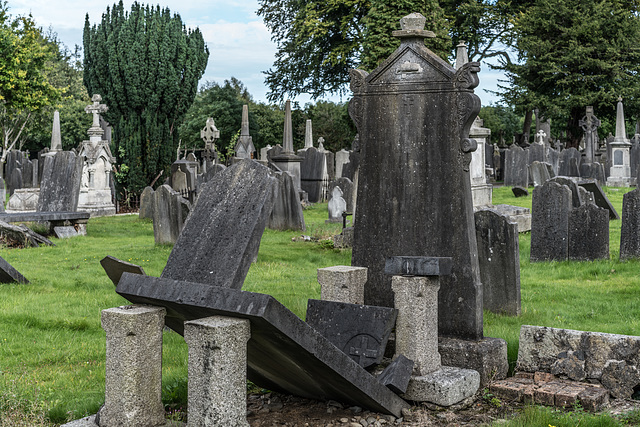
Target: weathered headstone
[(499, 258), (415, 160), (65, 231), (313, 173), (284, 157), (588, 233), (519, 191), (630, 231), (576, 195), (550, 222), (516, 172), (287, 209), (539, 172), (342, 158), (599, 197), (360, 331), (233, 207), (337, 205), (346, 186), (170, 211), (146, 203), (60, 186)]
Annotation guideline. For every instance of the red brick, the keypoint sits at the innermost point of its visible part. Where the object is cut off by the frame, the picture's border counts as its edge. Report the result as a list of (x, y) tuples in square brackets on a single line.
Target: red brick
[(507, 389), (523, 375), (543, 377), (594, 398), (545, 394), (568, 395)]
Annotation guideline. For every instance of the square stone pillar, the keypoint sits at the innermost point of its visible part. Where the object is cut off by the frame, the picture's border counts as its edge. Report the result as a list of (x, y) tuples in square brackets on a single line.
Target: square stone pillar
[(217, 386), (133, 380), (416, 299), (342, 283)]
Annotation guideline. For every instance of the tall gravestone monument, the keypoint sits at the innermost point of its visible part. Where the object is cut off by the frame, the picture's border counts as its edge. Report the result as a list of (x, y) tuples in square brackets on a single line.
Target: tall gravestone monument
[(620, 170), (244, 149), (286, 159), (413, 114)]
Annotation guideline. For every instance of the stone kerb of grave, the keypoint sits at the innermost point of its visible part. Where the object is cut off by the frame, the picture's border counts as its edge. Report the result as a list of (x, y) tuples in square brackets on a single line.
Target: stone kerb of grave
[(415, 284)]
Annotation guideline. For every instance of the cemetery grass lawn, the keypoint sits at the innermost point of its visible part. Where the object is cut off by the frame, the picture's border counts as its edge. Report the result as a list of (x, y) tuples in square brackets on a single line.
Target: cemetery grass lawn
[(52, 347)]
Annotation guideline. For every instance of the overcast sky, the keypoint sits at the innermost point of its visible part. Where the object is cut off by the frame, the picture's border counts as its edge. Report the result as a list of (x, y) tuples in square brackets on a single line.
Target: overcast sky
[(239, 43)]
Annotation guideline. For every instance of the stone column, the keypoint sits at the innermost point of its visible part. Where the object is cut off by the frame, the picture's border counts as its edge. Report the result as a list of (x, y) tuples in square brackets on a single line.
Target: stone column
[(133, 380), (217, 371), (416, 299), (342, 284)]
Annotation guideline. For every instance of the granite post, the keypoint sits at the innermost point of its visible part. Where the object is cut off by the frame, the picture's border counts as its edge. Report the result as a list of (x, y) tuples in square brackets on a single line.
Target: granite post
[(133, 380), (342, 283), (217, 371)]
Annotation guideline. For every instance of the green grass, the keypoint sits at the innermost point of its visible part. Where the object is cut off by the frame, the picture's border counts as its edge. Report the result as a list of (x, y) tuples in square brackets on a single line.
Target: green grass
[(52, 347)]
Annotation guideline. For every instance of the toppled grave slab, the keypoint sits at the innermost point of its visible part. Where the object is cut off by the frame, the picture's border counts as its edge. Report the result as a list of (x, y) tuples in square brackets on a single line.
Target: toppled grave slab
[(545, 389), (283, 354), (610, 359), (114, 268), (8, 274)]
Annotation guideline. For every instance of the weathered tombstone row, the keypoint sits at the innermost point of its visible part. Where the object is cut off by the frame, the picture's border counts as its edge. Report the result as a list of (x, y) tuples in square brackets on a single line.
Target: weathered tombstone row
[(567, 224)]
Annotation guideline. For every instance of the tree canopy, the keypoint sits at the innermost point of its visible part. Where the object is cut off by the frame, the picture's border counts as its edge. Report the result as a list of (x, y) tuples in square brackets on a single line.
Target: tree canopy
[(572, 54), (24, 87), (146, 65)]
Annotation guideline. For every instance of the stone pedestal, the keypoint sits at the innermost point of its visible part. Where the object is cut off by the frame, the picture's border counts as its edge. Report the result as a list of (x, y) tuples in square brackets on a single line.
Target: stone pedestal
[(23, 200), (342, 284), (217, 371), (415, 285), (133, 380)]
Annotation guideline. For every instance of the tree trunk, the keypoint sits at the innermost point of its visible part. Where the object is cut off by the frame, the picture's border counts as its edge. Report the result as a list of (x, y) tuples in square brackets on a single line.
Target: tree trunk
[(526, 127), (19, 235), (574, 133)]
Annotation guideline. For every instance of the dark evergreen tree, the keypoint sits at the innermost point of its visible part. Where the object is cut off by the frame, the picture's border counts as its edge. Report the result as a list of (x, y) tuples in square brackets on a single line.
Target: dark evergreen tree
[(573, 54), (146, 65)]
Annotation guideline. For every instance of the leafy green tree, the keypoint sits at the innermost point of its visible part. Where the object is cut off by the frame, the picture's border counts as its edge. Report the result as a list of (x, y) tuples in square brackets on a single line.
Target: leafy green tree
[(331, 121), (24, 88), (503, 122), (146, 65), (572, 54), (383, 18)]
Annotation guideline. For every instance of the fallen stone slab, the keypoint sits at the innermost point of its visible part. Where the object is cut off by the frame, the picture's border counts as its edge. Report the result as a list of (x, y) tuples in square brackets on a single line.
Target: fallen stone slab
[(283, 354), (65, 232), (444, 387), (8, 274), (397, 375), (114, 268)]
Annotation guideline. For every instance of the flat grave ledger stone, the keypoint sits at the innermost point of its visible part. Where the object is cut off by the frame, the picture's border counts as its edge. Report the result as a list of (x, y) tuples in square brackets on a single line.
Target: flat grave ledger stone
[(550, 222), (413, 115), (588, 233), (233, 207), (283, 354), (360, 331)]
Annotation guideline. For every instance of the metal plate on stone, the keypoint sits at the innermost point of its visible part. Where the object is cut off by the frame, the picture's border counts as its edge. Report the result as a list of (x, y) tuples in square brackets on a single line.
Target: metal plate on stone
[(360, 331), (114, 268), (283, 354)]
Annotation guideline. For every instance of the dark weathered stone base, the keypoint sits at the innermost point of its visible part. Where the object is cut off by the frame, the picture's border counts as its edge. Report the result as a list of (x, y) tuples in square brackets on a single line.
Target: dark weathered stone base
[(488, 356), (444, 387)]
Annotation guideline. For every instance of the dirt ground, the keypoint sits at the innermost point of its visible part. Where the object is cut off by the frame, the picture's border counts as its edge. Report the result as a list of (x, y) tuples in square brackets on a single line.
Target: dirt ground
[(274, 409)]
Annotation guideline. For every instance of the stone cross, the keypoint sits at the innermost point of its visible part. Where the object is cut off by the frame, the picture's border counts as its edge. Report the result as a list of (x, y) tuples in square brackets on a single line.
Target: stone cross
[(589, 125), (95, 131), (321, 144), (541, 136), (209, 135)]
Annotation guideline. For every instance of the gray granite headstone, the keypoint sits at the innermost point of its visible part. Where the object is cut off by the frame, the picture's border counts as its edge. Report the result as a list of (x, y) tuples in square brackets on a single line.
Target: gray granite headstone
[(550, 222), (413, 115), (588, 233), (576, 195), (516, 172), (630, 231), (346, 186), (284, 353), (221, 236), (60, 186), (539, 172), (146, 203), (114, 268), (499, 258), (567, 166), (360, 331), (170, 211), (287, 209), (313, 169), (600, 197), (8, 274), (15, 180)]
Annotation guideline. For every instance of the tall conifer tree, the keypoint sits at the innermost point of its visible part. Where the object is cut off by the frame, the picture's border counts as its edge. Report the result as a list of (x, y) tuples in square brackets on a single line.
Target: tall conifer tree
[(146, 65)]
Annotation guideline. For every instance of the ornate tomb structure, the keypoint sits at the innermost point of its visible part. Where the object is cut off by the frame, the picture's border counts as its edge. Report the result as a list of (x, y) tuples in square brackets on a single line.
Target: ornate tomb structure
[(413, 114), (95, 188), (620, 170)]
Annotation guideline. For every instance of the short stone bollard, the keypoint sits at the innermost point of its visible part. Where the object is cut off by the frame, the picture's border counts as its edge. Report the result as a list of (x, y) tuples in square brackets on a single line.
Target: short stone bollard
[(415, 284), (133, 380), (217, 371), (342, 284)]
